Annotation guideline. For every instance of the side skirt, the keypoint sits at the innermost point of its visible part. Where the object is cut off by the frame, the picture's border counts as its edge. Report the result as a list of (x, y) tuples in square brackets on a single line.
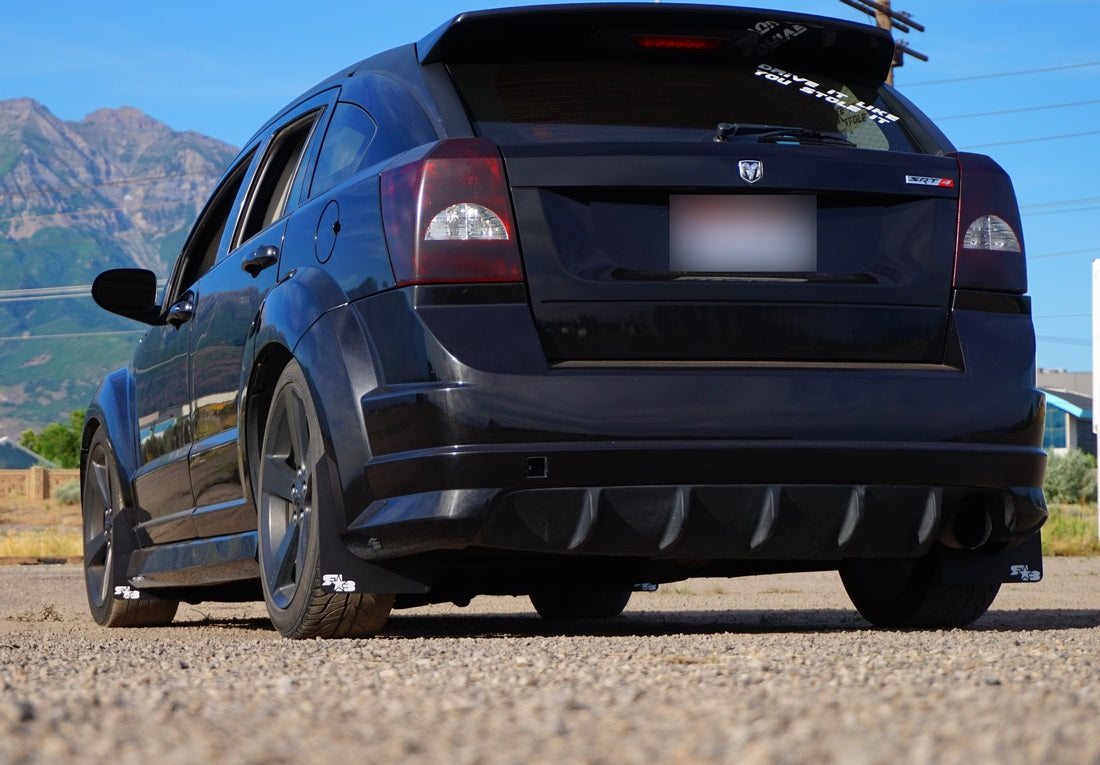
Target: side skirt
[(199, 562)]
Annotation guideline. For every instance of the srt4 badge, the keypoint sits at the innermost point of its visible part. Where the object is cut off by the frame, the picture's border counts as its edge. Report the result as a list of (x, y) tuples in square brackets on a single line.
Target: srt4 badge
[(1025, 574), (337, 583)]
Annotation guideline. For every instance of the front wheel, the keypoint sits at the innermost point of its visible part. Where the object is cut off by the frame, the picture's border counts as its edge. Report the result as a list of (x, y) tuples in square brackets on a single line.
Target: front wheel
[(288, 502), (908, 593), (108, 542)]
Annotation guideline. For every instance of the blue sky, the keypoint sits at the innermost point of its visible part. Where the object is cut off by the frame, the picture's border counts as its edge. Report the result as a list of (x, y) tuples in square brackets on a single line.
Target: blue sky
[(224, 68)]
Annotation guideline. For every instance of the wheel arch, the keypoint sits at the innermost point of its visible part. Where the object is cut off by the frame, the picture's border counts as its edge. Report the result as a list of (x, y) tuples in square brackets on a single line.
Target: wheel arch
[(112, 409), (307, 318)]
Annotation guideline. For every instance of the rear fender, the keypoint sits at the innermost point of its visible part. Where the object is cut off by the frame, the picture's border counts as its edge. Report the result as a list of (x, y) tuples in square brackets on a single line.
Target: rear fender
[(307, 317)]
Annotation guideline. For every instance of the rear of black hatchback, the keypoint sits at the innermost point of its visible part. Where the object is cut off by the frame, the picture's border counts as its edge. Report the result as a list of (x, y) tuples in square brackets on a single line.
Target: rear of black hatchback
[(732, 306), (666, 291)]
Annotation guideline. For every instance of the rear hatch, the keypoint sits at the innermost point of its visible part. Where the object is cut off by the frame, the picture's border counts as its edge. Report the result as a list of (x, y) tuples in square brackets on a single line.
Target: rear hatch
[(724, 186)]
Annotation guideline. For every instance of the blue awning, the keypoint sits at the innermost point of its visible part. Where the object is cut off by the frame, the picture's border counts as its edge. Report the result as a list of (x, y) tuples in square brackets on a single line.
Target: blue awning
[(1078, 411)]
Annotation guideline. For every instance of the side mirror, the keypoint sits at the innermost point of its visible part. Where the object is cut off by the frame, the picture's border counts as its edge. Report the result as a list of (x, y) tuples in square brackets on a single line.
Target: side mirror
[(129, 292)]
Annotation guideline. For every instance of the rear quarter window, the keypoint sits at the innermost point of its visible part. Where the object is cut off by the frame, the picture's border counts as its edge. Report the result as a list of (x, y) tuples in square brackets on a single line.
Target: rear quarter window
[(344, 150)]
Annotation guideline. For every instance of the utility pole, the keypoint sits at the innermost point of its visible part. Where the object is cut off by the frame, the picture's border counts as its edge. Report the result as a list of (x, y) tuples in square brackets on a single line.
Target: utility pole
[(888, 19)]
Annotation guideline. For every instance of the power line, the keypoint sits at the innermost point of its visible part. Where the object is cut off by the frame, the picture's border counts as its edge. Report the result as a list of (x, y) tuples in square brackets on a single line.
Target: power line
[(121, 208), (1062, 253), (1003, 74), (1033, 140), (1079, 200), (71, 335), (1060, 212), (1064, 340), (104, 184), (52, 293), (1072, 205), (1020, 110)]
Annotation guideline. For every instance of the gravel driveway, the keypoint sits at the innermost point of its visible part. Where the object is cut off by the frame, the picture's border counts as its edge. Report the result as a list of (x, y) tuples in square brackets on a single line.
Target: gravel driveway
[(766, 670)]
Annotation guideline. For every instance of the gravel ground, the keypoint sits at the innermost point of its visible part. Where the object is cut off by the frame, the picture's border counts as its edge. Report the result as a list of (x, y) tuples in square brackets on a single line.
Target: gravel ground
[(765, 670)]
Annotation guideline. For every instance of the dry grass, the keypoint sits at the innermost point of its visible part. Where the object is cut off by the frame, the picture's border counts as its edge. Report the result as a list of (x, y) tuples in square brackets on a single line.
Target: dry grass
[(43, 529), (1071, 530), (52, 542)]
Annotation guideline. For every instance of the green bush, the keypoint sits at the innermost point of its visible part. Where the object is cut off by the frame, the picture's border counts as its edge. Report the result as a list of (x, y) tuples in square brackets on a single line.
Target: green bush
[(1071, 477), (67, 493)]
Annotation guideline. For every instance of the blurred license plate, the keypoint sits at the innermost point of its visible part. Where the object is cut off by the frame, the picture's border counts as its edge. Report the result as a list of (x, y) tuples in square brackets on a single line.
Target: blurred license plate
[(742, 233)]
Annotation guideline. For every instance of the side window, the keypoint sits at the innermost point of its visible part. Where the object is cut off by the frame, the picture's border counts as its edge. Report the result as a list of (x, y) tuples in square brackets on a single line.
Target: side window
[(267, 200), (347, 139), (402, 123), (201, 250)]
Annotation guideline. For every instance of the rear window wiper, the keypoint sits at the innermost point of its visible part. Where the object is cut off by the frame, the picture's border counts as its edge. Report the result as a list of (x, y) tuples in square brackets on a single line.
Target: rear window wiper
[(777, 134)]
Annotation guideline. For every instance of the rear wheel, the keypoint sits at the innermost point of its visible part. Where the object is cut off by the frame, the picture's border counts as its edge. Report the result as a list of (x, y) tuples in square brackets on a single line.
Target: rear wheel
[(289, 504), (108, 542), (560, 602), (908, 593)]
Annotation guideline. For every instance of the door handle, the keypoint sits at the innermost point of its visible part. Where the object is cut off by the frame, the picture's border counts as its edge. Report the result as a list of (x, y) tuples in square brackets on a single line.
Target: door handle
[(262, 257), (182, 310)]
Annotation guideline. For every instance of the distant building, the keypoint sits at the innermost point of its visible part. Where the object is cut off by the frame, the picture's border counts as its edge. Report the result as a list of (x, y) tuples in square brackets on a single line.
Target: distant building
[(1069, 411), (15, 456)]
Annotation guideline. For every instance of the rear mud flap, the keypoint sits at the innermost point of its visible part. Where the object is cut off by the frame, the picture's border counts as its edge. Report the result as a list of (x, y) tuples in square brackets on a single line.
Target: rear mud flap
[(342, 571), (1022, 563)]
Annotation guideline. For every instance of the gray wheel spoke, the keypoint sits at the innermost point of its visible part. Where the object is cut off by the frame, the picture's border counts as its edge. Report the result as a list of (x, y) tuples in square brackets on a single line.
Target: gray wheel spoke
[(302, 529), (286, 558), (299, 430), (278, 477), (106, 589), (101, 479), (96, 549)]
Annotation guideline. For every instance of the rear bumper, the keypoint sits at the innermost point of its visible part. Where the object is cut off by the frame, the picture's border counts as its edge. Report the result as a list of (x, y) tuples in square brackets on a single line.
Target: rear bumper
[(749, 502), (476, 442)]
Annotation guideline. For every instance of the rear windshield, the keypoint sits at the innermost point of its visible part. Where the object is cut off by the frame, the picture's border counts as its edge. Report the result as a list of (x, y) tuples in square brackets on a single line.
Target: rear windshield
[(548, 102)]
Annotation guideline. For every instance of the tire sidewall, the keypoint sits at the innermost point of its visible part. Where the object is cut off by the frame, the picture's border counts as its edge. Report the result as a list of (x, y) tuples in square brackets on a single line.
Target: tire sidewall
[(288, 620), (116, 574)]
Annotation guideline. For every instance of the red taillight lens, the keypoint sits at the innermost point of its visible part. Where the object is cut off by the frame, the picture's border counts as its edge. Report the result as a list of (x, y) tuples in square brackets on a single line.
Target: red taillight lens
[(989, 254), (448, 216)]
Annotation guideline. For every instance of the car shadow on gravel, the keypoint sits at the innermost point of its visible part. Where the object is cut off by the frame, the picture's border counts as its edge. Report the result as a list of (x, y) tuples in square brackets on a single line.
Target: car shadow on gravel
[(414, 626), (653, 623)]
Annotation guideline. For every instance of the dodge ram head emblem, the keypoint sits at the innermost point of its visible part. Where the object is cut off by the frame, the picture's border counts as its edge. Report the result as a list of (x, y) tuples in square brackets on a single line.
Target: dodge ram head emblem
[(751, 170)]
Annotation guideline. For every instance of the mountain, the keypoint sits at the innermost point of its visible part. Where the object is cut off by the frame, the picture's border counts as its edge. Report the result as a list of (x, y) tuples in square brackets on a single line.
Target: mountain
[(115, 189)]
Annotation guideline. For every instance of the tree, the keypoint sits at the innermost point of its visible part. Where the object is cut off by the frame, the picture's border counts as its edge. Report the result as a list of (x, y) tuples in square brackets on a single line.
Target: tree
[(59, 443)]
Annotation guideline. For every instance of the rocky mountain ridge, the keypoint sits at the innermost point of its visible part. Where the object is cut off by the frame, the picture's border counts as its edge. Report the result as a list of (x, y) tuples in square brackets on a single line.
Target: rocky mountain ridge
[(117, 188)]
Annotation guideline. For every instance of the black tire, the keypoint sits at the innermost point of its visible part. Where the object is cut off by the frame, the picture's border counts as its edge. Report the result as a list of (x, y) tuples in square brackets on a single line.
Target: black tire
[(109, 541), (907, 593), (288, 507), (564, 603)]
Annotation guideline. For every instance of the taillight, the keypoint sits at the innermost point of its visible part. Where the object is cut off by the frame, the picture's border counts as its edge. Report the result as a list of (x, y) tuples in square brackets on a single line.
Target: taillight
[(448, 216), (990, 251), (679, 42)]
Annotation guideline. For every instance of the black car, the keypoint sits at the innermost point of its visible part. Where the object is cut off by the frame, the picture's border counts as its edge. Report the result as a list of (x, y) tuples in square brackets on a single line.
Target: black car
[(572, 301)]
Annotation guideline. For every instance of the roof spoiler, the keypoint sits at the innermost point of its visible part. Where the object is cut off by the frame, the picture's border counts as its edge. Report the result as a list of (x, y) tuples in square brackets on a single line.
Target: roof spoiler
[(612, 31)]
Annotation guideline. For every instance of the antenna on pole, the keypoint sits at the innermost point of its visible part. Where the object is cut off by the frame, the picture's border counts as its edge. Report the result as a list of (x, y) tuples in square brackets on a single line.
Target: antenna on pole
[(889, 19)]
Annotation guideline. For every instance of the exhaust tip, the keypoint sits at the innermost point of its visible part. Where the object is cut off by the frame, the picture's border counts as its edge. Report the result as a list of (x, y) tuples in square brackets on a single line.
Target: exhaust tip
[(970, 527)]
